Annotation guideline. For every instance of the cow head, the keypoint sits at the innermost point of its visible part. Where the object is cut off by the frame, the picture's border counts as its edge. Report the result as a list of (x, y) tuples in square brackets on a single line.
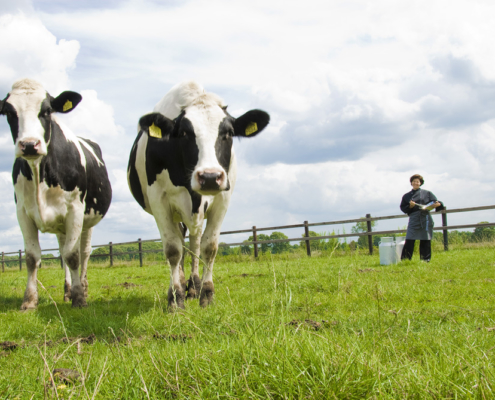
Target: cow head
[(204, 132), (28, 108)]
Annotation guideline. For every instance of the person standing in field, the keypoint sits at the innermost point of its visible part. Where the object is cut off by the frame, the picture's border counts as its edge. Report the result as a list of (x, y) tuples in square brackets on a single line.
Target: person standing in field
[(420, 226)]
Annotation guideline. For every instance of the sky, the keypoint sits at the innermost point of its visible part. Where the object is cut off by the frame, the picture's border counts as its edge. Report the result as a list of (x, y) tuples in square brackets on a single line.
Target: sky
[(361, 95)]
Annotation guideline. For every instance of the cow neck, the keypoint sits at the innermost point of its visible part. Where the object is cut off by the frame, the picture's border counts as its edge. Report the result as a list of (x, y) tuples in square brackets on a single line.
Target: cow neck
[(36, 167)]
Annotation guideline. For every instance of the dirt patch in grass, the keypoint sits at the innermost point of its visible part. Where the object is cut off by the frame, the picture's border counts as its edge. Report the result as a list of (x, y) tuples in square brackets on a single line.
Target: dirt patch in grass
[(65, 375), (311, 324), (127, 285), (173, 337), (8, 346), (246, 275), (363, 271)]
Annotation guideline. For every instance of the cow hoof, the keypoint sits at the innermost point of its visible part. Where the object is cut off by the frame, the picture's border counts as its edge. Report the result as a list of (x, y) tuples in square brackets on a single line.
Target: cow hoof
[(28, 306), (206, 297), (79, 303), (77, 296), (176, 298), (67, 288), (193, 287)]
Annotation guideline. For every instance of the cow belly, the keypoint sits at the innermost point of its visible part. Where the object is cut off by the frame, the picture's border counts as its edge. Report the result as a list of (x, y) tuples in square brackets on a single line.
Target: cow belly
[(48, 209)]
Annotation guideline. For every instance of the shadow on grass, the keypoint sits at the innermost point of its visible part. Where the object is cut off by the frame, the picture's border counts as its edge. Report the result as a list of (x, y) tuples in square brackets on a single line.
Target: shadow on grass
[(97, 318)]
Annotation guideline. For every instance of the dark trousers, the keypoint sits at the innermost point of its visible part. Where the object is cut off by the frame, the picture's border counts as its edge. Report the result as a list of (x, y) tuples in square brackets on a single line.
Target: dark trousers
[(424, 249)]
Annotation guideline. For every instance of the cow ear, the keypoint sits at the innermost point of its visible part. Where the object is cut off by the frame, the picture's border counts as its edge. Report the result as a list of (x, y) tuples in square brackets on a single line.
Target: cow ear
[(251, 123), (1, 107), (66, 102), (156, 125)]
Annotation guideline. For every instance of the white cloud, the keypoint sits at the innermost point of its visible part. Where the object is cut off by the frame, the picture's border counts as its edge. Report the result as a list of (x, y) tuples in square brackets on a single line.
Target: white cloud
[(29, 50), (361, 95)]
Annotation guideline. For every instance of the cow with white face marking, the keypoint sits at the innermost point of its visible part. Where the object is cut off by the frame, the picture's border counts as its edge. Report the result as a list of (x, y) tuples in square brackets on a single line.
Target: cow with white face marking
[(182, 169), (60, 182)]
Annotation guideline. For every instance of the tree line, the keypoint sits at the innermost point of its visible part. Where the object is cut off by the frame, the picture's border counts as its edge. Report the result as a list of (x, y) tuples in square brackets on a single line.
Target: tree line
[(479, 235)]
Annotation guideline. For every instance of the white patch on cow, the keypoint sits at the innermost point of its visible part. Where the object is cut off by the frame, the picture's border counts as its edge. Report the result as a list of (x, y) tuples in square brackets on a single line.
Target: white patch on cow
[(46, 205), (95, 201), (26, 97), (90, 149), (91, 219), (183, 95), (206, 121), (70, 137)]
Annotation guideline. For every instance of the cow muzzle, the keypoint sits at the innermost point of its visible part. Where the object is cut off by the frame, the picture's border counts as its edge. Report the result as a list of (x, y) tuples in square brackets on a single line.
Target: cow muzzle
[(210, 181), (29, 148)]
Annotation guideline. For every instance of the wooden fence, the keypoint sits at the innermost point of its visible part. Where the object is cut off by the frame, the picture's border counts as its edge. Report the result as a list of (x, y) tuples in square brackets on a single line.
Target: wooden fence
[(254, 230)]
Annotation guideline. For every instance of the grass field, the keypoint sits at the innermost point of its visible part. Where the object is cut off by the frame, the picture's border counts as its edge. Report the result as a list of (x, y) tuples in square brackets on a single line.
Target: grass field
[(285, 328)]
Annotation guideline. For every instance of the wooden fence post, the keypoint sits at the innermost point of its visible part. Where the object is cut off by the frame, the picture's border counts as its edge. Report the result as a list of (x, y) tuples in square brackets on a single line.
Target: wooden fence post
[(306, 234), (3, 261), (140, 252), (445, 232), (20, 260), (110, 250), (370, 238), (255, 238)]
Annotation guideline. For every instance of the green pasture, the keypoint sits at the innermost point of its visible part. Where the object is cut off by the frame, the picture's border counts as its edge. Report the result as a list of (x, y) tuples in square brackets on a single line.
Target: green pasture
[(282, 327)]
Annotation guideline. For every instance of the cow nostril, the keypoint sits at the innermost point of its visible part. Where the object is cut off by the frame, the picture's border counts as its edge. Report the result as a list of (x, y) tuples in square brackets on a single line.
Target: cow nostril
[(210, 180)]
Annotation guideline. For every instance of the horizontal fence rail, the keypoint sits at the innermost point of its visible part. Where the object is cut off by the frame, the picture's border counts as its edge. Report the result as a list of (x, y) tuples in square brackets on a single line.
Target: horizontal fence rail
[(306, 238)]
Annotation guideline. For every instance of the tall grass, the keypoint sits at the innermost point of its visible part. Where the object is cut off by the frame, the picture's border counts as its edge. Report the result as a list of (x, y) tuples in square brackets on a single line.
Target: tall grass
[(281, 327)]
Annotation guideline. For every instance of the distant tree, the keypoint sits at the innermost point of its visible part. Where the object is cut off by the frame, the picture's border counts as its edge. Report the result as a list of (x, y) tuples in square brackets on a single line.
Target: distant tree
[(265, 247), (224, 250), (484, 233), (313, 244), (362, 226), (280, 247), (246, 248)]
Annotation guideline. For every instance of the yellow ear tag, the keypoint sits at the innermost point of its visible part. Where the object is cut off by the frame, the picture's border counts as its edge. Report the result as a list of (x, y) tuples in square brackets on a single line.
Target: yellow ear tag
[(155, 131), (67, 105), (251, 128)]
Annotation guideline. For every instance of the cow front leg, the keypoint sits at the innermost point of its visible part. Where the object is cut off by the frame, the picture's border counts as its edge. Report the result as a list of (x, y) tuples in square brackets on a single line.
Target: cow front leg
[(209, 247), (67, 282), (33, 260), (194, 282), (85, 253), (173, 252), (71, 253)]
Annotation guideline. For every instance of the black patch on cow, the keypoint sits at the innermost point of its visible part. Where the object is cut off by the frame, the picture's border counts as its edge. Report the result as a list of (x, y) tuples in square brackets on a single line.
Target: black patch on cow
[(98, 189), (176, 151), (259, 117), (45, 117), (134, 183), (206, 207), (65, 102), (223, 144), (165, 125), (12, 118), (21, 167)]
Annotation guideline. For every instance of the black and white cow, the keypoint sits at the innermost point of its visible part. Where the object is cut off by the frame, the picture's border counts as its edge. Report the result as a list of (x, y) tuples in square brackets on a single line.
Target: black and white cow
[(60, 182), (182, 168)]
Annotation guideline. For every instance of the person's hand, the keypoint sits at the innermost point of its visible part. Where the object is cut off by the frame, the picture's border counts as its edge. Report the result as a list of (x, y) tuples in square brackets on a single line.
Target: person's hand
[(411, 204), (437, 204)]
